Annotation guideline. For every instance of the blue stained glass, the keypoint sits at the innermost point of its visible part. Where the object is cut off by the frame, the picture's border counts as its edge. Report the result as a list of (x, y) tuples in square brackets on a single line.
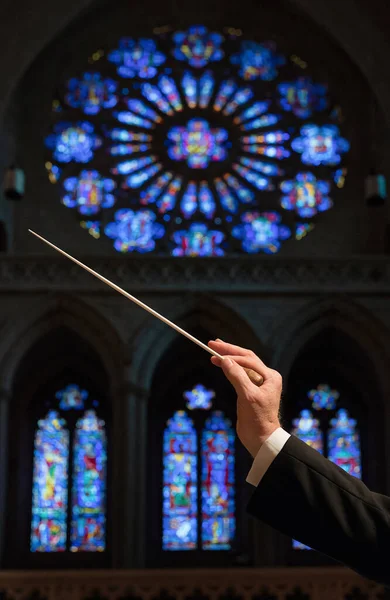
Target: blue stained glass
[(302, 229), (306, 195), (253, 177), (339, 177), (260, 166), (91, 93), (218, 502), (137, 58), (72, 397), (272, 137), (306, 428), (206, 200), (168, 87), (73, 142), (277, 152), (261, 232), (155, 189), (323, 397), (198, 46), (93, 228), (199, 397), (206, 87), (264, 121), (227, 199), (130, 118), (180, 527), (320, 145), (145, 108), (244, 194), (153, 94), (139, 178), (302, 97), (129, 166), (122, 135), (344, 444), (134, 231), (224, 93), (138, 107), (89, 192), (239, 98), (189, 86), (88, 529), (123, 149), (189, 201), (258, 61), (50, 485), (198, 240), (254, 110), (168, 200), (197, 143)]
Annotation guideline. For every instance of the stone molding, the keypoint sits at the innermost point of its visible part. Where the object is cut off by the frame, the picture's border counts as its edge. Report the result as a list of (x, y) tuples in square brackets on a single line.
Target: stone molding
[(239, 274)]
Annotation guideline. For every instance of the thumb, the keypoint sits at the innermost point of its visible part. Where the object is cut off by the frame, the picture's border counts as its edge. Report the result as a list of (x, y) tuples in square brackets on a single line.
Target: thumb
[(235, 374)]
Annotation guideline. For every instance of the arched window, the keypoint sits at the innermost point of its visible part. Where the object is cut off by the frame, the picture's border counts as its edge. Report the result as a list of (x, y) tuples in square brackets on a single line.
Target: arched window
[(196, 143), (328, 428), (199, 477), (69, 476)]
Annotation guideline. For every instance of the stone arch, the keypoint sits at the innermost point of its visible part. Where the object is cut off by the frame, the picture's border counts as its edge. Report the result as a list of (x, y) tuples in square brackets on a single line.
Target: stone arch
[(48, 315), (365, 367), (206, 313), (340, 313), (346, 23)]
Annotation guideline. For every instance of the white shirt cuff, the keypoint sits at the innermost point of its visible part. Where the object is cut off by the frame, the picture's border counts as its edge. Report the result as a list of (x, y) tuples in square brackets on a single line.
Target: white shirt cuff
[(266, 455)]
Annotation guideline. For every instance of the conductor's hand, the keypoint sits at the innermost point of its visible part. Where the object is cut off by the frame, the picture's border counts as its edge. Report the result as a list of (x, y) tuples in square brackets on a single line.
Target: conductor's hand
[(257, 407)]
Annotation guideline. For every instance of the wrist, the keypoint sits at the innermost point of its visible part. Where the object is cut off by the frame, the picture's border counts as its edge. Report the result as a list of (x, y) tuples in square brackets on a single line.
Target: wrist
[(254, 444)]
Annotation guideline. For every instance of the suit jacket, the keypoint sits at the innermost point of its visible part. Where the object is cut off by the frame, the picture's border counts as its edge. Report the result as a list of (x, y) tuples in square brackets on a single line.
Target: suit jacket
[(307, 497)]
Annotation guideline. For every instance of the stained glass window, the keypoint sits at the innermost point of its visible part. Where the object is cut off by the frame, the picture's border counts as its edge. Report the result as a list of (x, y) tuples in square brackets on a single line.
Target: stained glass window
[(323, 397), (50, 485), (198, 478), (88, 529), (344, 443), (306, 428), (330, 431), (218, 520), (180, 492), (204, 129), (72, 397), (55, 526), (199, 397)]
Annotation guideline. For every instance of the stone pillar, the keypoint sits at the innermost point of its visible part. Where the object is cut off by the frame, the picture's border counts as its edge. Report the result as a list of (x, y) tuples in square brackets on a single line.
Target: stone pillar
[(4, 398), (128, 477)]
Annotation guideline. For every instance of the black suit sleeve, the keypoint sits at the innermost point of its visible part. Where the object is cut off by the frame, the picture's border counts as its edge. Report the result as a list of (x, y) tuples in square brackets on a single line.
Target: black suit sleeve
[(308, 498)]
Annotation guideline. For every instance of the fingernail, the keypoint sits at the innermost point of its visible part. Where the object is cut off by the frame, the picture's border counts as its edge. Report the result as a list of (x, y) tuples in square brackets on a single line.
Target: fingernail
[(227, 362), (219, 340)]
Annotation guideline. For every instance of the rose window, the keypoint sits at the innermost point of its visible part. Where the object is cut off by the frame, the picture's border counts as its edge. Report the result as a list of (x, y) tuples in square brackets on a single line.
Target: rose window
[(196, 143)]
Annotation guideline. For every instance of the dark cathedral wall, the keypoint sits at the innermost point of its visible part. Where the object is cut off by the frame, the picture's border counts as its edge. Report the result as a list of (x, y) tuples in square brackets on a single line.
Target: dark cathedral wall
[(340, 231), (129, 342), (132, 346)]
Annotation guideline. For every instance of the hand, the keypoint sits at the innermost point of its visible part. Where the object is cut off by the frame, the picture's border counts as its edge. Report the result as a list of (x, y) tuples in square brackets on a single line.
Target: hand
[(257, 407)]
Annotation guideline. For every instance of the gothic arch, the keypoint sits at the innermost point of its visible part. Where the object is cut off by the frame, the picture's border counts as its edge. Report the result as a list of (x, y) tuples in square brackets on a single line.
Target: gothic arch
[(340, 313), (206, 313), (345, 22), (46, 316), (368, 341)]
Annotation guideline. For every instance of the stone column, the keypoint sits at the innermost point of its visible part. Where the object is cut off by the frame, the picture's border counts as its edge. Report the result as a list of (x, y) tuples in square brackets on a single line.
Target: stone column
[(128, 477), (4, 398)]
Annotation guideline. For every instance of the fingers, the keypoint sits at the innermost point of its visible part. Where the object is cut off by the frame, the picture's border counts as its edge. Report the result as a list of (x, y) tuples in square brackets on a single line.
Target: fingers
[(249, 362), (224, 348), (236, 375)]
